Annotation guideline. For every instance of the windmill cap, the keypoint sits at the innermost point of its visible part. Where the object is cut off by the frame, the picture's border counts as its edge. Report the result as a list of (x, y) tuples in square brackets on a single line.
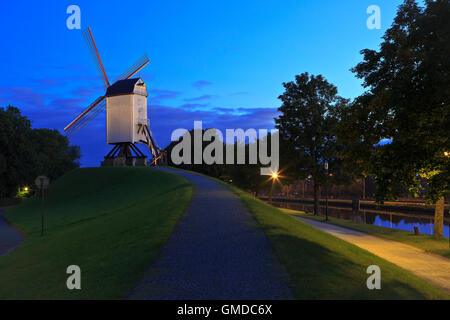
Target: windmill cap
[(122, 87)]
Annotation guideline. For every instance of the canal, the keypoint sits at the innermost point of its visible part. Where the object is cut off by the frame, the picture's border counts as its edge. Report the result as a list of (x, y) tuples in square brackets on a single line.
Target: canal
[(387, 219)]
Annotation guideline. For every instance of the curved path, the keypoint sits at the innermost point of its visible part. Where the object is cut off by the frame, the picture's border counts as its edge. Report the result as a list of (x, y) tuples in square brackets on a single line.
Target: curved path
[(216, 251), (10, 237), (430, 267)]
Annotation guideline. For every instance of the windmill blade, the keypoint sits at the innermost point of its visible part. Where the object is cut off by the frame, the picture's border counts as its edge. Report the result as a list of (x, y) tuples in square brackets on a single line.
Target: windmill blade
[(135, 68), (86, 111), (87, 34), (88, 118)]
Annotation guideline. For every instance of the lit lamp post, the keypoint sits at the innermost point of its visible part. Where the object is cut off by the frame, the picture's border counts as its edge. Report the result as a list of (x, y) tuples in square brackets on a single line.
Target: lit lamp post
[(274, 177), (326, 191), (447, 154)]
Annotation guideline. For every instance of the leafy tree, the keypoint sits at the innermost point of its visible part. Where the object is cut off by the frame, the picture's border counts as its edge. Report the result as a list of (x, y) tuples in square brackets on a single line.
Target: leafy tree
[(307, 124), (213, 170), (407, 101), (54, 155), (15, 143), (27, 153), (246, 176)]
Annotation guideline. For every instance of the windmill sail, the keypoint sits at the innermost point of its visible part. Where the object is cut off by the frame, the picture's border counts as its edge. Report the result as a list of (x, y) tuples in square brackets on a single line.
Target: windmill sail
[(91, 112), (87, 115), (135, 68), (87, 34), (88, 118)]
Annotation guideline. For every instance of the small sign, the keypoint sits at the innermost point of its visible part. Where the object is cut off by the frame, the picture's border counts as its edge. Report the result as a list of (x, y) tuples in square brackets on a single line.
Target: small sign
[(42, 182)]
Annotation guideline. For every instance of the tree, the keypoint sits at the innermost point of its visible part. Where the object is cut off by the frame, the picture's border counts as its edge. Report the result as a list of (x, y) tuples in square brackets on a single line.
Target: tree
[(407, 102), (53, 154), (307, 124), (15, 143), (246, 176), (27, 153)]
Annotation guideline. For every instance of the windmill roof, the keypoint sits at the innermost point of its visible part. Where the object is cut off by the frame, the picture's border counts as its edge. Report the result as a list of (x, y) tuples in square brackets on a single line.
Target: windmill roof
[(122, 87)]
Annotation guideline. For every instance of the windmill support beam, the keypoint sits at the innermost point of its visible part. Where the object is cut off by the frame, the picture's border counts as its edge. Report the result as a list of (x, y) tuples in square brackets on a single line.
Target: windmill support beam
[(124, 154)]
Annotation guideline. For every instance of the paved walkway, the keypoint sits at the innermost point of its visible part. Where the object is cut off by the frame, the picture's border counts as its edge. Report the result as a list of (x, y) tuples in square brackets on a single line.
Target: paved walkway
[(215, 252), (430, 267), (10, 237)]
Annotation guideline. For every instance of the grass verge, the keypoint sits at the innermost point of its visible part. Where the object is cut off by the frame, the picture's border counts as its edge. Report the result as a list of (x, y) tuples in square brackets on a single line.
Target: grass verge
[(322, 266), (7, 202), (423, 241), (109, 221)]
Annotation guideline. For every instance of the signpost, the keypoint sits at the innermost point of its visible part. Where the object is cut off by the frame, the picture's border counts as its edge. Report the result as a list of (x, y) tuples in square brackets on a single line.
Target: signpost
[(326, 193), (42, 183)]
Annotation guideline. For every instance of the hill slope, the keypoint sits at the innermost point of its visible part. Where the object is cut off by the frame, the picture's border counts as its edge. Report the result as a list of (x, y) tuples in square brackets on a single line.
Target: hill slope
[(109, 221)]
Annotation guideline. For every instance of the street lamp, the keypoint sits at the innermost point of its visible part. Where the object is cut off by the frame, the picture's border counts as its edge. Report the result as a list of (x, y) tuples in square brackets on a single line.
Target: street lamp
[(326, 191), (274, 177), (447, 154)]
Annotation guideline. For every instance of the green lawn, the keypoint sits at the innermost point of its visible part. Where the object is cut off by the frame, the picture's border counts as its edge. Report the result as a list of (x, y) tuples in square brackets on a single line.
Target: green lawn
[(423, 241), (322, 266), (6, 202), (109, 221)]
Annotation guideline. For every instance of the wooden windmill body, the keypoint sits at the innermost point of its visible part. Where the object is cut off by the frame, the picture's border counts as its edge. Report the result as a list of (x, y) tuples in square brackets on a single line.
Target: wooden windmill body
[(126, 115)]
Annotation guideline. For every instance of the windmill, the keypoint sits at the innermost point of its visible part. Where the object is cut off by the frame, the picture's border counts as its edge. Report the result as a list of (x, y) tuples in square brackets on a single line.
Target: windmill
[(126, 114)]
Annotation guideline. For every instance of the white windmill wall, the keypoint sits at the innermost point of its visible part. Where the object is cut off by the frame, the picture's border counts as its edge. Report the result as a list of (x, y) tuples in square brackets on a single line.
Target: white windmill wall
[(140, 115), (119, 119), (124, 113)]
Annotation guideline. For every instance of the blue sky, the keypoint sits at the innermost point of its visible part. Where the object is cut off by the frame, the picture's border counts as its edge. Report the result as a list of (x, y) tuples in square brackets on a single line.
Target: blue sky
[(222, 62)]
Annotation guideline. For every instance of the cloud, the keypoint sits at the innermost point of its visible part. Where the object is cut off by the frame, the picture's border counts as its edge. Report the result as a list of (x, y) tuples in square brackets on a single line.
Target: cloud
[(164, 119), (26, 97), (45, 110), (84, 91), (204, 97), (55, 111), (86, 78), (157, 96), (194, 106), (49, 83), (201, 83), (73, 104), (63, 67)]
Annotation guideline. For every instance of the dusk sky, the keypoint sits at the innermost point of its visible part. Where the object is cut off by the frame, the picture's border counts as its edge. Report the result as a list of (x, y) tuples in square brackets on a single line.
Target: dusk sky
[(222, 62)]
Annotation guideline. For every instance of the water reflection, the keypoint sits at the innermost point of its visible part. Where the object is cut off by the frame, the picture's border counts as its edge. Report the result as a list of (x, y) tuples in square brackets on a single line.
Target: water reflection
[(387, 219)]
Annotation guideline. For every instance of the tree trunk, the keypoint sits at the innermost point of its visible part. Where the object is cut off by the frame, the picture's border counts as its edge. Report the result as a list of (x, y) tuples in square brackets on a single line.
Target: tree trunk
[(303, 189), (439, 219), (316, 198), (364, 187)]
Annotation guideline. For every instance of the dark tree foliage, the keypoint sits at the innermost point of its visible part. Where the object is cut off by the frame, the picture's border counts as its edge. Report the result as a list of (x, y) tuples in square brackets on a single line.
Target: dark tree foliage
[(214, 170), (307, 129), (27, 153), (246, 176), (407, 101)]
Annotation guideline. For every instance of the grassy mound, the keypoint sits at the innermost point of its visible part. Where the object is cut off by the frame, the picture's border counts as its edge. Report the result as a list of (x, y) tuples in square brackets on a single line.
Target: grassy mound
[(111, 222)]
